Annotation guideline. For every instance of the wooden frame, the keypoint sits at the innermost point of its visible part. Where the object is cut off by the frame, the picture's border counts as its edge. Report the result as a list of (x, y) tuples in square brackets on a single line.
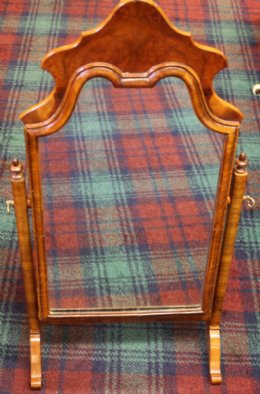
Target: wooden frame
[(135, 47)]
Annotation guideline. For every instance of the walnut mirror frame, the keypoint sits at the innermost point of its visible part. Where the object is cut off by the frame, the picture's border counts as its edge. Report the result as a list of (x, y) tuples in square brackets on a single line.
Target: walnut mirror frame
[(136, 46)]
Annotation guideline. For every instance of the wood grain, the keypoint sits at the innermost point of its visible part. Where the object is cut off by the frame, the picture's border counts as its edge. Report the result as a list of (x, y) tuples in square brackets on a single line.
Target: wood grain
[(136, 46), (214, 354), (23, 229), (136, 38), (237, 194), (130, 28)]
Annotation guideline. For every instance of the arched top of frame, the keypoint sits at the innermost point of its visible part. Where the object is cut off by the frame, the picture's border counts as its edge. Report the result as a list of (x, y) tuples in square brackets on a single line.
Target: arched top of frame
[(134, 47)]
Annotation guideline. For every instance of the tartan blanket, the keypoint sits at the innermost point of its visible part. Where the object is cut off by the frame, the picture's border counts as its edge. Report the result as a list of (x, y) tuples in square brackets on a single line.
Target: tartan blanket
[(127, 167)]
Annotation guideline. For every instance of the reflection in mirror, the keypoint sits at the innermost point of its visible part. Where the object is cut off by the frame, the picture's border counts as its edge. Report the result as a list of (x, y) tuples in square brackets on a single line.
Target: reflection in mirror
[(129, 189)]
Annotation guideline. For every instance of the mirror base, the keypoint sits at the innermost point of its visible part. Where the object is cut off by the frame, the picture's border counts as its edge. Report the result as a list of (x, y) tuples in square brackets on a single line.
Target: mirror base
[(35, 358), (214, 354)]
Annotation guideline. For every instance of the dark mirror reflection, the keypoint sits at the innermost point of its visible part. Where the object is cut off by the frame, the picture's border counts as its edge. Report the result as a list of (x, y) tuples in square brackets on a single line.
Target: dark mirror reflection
[(129, 188)]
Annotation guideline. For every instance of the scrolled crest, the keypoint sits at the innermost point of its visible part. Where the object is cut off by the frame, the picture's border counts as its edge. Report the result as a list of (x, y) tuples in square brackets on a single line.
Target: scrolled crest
[(136, 38)]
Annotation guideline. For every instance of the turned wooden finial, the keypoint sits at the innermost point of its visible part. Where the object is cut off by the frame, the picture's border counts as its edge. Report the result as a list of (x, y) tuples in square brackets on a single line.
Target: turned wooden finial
[(241, 163), (16, 169)]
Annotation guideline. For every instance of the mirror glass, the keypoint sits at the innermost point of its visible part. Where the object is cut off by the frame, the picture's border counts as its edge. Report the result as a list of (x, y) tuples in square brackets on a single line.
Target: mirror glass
[(129, 188)]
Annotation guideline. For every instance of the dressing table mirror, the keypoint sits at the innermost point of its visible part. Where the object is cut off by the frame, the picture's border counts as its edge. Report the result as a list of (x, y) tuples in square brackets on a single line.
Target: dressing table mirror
[(130, 222)]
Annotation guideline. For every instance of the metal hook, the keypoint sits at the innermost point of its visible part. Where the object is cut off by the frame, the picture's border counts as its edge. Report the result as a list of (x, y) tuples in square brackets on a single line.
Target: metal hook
[(256, 89), (250, 201), (9, 203)]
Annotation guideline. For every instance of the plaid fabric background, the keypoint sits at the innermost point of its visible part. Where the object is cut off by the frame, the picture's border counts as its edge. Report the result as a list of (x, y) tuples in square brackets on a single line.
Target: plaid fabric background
[(127, 358), (128, 185)]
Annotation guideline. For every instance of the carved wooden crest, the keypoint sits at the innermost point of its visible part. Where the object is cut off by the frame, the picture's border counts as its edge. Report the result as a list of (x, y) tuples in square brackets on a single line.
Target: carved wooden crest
[(135, 46)]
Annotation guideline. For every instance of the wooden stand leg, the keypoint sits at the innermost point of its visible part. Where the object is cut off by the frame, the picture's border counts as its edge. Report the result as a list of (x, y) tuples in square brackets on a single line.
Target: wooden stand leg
[(35, 356), (214, 354), (237, 194), (23, 229)]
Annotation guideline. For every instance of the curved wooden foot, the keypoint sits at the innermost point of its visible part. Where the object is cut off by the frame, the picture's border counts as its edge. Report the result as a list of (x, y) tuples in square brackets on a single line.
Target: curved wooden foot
[(214, 354), (35, 356)]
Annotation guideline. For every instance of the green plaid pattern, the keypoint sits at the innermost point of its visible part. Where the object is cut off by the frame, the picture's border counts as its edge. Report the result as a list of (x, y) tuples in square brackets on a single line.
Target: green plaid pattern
[(127, 358), (128, 207)]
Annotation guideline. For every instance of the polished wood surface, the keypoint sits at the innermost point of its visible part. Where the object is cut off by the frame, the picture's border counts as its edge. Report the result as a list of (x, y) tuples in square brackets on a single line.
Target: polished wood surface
[(140, 17), (233, 216), (214, 354), (23, 230), (35, 358), (135, 47)]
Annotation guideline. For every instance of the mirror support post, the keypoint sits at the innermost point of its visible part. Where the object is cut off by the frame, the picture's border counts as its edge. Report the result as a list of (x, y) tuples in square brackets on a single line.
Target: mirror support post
[(23, 230), (237, 193)]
